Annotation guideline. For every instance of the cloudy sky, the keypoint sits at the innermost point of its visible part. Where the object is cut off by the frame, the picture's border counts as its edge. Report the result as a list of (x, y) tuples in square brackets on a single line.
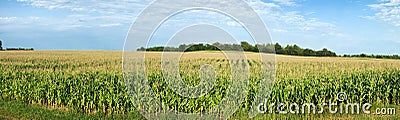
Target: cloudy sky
[(344, 26)]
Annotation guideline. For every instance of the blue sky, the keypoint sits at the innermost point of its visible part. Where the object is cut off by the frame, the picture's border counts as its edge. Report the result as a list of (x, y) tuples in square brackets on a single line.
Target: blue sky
[(344, 26)]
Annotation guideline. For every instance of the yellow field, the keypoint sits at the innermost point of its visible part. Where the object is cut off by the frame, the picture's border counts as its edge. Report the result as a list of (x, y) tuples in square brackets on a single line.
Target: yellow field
[(91, 81)]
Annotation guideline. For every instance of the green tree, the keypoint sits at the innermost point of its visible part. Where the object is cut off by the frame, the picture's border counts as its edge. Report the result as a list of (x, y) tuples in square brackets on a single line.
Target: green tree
[(141, 49), (309, 52), (1, 45), (183, 47), (247, 47), (292, 50), (325, 52), (278, 49)]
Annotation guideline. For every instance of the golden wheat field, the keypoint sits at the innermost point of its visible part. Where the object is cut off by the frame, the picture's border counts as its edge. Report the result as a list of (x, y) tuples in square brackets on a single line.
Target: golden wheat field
[(91, 82)]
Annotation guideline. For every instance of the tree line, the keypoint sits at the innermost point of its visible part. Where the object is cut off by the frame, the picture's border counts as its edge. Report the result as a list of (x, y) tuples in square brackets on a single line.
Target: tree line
[(20, 49), (374, 56), (265, 48), (23, 49), (1, 45)]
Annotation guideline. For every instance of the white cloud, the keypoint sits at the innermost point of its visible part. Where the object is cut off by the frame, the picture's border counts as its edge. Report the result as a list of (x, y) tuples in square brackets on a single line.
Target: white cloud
[(106, 13), (264, 8), (231, 23), (110, 25), (293, 20), (285, 2), (310, 13), (7, 19), (388, 12), (234, 24), (21, 20), (306, 24), (96, 6), (280, 30), (92, 13)]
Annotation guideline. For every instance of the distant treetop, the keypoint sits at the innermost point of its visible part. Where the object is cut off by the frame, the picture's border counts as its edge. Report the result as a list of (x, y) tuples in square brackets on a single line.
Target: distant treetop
[(265, 48), (1, 45)]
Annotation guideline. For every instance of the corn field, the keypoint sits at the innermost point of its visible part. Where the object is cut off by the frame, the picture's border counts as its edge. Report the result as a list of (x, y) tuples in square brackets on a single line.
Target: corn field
[(92, 81)]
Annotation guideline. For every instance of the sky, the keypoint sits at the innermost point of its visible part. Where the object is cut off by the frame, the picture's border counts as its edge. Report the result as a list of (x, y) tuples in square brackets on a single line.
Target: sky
[(343, 26)]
